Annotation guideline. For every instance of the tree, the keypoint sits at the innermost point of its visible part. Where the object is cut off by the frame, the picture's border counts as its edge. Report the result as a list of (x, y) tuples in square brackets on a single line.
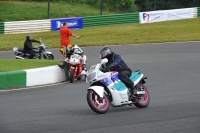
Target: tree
[(144, 5), (147, 5)]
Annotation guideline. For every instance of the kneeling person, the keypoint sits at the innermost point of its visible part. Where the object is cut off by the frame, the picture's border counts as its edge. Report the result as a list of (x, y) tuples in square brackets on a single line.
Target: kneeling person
[(74, 49)]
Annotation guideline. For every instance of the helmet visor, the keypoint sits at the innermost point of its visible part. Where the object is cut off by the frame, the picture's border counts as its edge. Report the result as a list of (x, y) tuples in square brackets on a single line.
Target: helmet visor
[(104, 53), (29, 37)]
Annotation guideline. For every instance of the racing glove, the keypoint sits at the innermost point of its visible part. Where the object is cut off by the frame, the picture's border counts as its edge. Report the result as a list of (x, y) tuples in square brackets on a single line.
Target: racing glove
[(110, 67)]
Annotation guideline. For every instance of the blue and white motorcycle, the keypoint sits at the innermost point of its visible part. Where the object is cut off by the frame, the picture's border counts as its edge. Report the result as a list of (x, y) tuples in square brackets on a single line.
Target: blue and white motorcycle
[(106, 89)]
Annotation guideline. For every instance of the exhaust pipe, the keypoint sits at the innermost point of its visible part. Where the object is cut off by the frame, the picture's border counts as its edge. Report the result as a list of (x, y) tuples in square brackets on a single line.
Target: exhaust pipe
[(18, 57)]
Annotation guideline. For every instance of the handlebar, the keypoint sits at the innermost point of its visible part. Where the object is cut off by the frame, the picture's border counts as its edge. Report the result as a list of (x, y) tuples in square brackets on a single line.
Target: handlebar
[(106, 69)]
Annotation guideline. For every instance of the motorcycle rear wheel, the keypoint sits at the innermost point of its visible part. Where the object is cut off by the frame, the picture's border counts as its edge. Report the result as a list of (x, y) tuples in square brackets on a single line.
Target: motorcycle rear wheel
[(100, 107), (71, 75), (143, 101)]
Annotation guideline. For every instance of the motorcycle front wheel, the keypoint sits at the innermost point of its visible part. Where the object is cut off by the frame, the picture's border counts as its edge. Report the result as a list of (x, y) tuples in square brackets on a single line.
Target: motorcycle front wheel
[(71, 75), (97, 104), (50, 57)]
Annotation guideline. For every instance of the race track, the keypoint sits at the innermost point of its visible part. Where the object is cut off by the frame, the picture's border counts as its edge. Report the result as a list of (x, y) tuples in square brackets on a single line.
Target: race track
[(172, 69)]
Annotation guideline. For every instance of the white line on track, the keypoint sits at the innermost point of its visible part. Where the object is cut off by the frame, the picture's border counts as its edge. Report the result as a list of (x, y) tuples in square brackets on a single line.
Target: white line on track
[(32, 87)]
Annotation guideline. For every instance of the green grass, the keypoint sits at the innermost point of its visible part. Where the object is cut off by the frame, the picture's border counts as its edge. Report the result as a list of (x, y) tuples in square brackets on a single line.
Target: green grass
[(13, 64), (18, 10), (171, 31)]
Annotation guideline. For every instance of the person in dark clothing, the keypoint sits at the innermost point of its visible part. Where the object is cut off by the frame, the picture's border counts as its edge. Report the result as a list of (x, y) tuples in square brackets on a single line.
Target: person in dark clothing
[(116, 63), (28, 46)]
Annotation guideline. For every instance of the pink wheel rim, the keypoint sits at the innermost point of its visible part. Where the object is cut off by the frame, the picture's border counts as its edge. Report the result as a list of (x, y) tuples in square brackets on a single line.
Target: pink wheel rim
[(97, 105), (144, 99)]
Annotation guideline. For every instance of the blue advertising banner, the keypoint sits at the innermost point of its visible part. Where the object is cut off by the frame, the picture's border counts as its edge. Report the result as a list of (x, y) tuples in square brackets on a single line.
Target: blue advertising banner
[(73, 23)]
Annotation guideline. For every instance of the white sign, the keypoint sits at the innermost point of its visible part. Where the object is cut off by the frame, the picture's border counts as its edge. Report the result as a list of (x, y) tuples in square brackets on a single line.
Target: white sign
[(165, 15)]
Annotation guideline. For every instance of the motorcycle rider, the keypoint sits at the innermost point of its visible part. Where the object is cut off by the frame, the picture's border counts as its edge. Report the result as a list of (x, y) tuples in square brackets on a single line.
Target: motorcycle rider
[(116, 63), (28, 46), (73, 49)]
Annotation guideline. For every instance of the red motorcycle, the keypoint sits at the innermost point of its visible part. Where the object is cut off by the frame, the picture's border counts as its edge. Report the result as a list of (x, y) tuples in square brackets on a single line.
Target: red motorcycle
[(75, 68)]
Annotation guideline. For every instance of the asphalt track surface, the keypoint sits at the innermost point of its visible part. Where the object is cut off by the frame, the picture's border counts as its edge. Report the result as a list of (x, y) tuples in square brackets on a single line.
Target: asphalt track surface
[(172, 69)]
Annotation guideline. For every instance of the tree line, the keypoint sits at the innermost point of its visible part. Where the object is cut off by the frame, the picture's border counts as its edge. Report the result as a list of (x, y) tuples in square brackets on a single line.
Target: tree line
[(127, 6), (150, 5)]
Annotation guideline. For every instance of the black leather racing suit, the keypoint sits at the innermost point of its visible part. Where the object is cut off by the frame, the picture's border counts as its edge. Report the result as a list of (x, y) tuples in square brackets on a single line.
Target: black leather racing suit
[(28, 47)]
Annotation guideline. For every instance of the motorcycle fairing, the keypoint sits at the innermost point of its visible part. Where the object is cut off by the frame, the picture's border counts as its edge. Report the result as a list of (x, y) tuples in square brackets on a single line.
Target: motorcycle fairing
[(120, 86), (108, 80), (115, 82), (75, 59), (98, 89), (119, 97), (48, 52), (83, 72), (75, 56), (136, 77), (18, 50)]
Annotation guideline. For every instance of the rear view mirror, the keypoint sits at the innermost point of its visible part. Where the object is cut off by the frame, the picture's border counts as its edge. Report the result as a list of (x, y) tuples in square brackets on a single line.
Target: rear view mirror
[(104, 61)]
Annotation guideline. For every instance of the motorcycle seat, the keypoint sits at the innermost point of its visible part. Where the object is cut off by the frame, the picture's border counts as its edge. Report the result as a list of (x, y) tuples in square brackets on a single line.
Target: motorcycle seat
[(135, 75)]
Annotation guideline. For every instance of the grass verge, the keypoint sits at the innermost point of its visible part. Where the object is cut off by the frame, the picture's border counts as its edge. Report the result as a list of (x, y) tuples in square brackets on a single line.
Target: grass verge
[(19, 10), (14, 64), (172, 31), (169, 31)]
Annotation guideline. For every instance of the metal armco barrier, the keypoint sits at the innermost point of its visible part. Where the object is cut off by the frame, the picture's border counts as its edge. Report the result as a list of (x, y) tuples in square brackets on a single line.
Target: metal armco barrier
[(17, 27), (1, 27), (103, 20)]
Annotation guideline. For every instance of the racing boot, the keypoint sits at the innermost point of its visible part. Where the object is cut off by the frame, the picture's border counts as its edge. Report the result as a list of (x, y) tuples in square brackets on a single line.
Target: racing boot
[(134, 91), (84, 68), (132, 98), (62, 65)]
